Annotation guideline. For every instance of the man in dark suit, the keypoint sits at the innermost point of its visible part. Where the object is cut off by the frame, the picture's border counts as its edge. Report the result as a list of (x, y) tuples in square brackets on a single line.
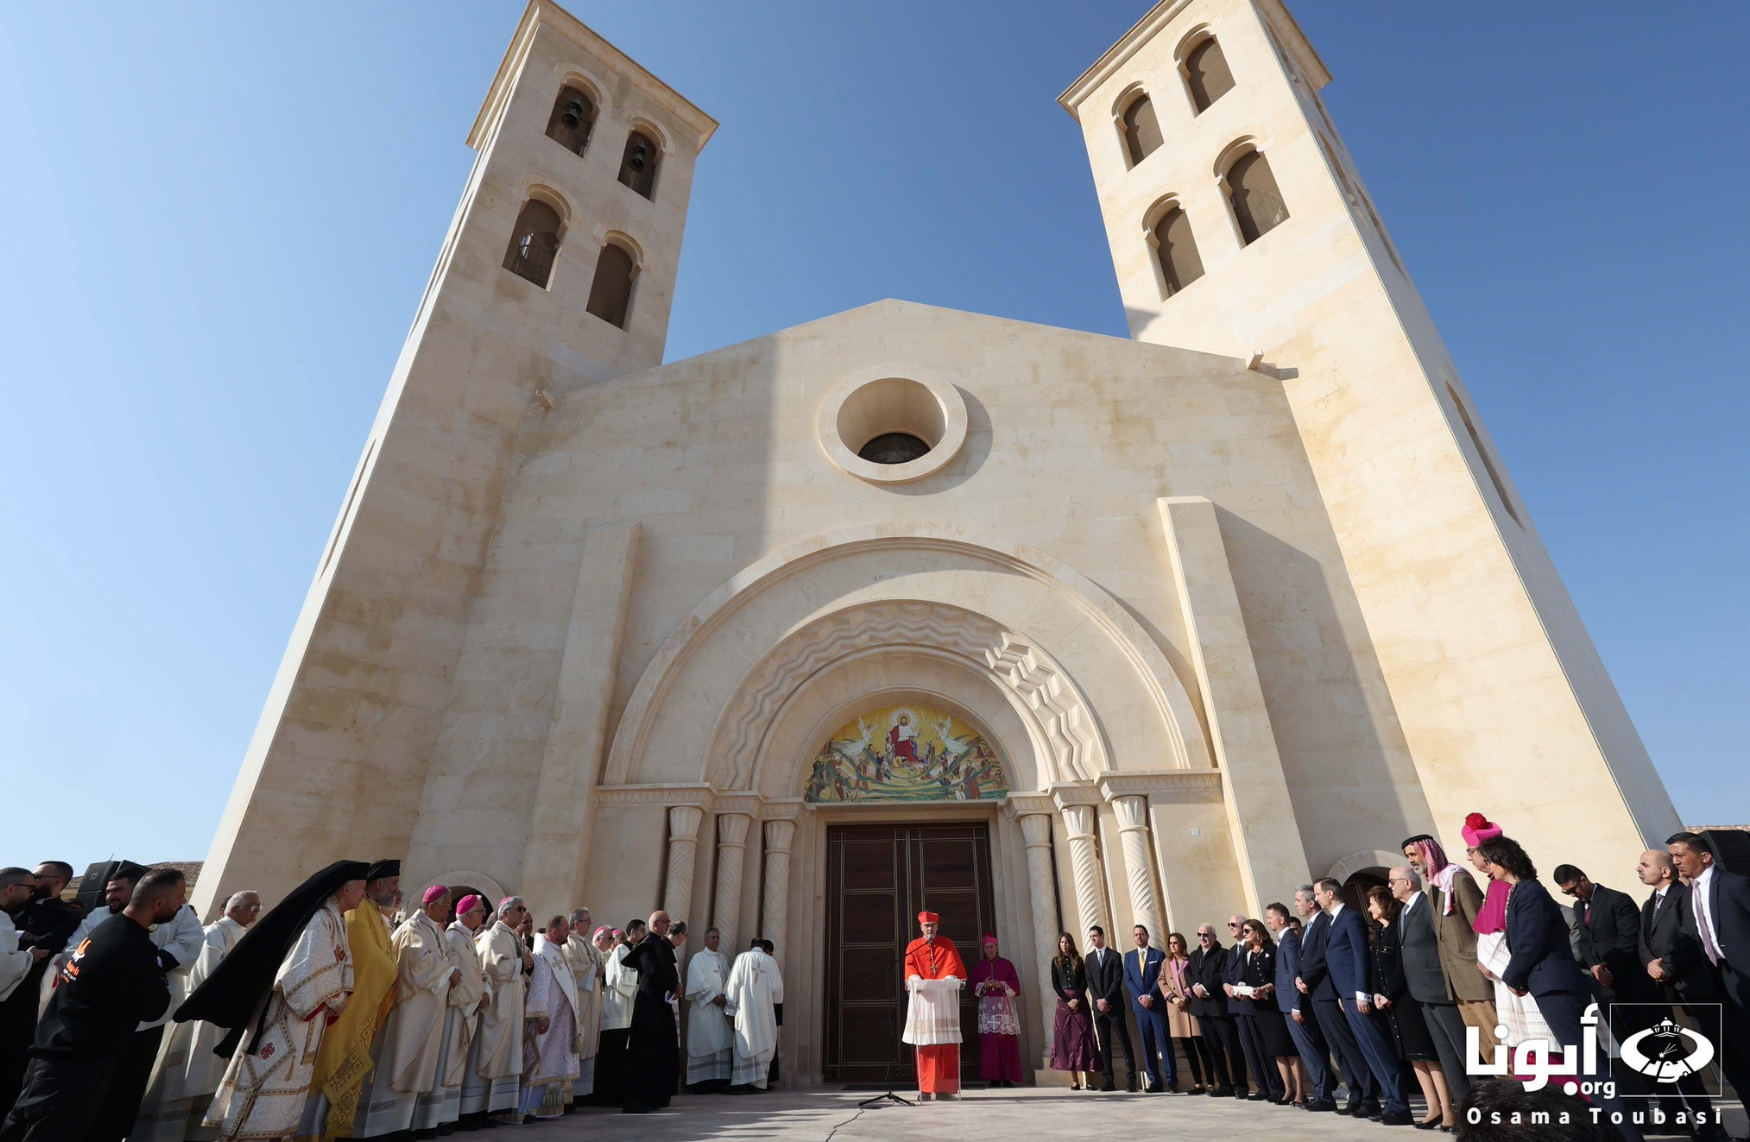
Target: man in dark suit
[(1315, 983), (1609, 925), (1718, 911), (1204, 972), (1296, 1008), (1142, 979), (1419, 953), (1678, 974), (1106, 993), (1349, 964)]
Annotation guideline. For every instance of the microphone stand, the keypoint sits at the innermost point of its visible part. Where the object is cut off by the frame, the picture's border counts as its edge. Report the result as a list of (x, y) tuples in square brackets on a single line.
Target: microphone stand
[(892, 999)]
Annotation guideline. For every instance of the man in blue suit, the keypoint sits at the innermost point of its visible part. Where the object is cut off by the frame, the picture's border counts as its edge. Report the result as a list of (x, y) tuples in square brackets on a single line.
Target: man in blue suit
[(1347, 958), (1315, 983), (1142, 979), (1303, 1028)]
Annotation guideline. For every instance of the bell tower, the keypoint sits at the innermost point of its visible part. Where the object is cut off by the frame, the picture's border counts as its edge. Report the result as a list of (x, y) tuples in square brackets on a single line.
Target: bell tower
[(558, 271), (1239, 225)]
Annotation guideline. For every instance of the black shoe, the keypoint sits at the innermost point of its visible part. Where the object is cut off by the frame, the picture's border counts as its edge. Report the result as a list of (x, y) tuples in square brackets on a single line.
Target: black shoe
[(1107, 1086), (1398, 1118), (635, 1109), (1349, 1108), (1256, 1096), (1322, 1106)]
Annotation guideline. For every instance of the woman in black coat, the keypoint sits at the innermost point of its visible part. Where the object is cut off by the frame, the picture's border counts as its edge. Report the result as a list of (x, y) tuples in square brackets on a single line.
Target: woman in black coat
[(1269, 1041), (1405, 1025)]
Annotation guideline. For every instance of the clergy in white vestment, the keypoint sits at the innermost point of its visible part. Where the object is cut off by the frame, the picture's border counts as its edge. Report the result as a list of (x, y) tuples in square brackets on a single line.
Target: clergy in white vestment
[(754, 990), (493, 1082), (189, 1068), (585, 956), (708, 1029), (412, 1041), (276, 994), (443, 1106), (550, 1027)]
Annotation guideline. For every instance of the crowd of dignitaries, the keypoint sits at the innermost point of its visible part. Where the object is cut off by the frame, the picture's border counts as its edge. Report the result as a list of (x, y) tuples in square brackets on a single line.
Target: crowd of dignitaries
[(1435, 981), (340, 1013)]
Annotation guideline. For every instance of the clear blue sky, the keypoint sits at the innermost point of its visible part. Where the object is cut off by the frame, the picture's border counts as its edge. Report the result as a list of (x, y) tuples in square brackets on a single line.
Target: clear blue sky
[(216, 220)]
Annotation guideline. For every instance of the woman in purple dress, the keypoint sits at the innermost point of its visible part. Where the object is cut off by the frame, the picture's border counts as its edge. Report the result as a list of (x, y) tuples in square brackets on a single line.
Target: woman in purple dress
[(1072, 1033), (996, 985)]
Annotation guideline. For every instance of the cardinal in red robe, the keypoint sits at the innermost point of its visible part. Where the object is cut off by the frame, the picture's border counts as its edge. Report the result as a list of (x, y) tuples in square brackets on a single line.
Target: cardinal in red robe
[(932, 1022)]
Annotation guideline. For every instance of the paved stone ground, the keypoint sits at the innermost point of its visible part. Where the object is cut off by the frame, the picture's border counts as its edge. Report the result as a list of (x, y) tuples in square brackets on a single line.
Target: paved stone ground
[(1004, 1115)]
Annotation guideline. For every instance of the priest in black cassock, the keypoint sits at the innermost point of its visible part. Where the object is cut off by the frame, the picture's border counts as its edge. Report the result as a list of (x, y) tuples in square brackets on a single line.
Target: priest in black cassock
[(653, 1051)]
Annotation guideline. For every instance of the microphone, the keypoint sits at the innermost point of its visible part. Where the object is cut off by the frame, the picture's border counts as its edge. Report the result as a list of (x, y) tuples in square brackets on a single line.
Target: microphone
[(931, 938)]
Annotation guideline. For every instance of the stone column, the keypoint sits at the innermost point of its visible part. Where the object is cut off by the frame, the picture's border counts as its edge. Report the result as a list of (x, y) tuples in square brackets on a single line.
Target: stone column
[(726, 906), (776, 913), (1084, 855), (1042, 887), (683, 843), (1138, 865)]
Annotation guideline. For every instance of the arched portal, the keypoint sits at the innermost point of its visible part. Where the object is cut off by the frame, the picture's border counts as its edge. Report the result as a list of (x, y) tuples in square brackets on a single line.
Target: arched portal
[(717, 744)]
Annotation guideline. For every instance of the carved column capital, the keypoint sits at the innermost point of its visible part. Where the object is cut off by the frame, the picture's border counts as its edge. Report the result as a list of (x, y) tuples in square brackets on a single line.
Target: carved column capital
[(1036, 830), (1078, 820), (684, 821), (779, 835), (1132, 812)]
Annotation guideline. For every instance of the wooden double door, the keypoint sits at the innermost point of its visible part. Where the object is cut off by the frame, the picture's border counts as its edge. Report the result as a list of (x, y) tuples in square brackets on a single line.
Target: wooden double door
[(878, 878)]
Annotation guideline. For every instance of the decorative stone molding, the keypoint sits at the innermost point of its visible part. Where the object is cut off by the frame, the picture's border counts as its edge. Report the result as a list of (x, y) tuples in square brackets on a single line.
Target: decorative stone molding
[(1042, 889), (1061, 716), (1084, 854), (1075, 741), (1021, 805), (683, 843), (1184, 742), (1132, 811), (731, 847), (701, 796), (1115, 785), (1066, 793), (775, 916)]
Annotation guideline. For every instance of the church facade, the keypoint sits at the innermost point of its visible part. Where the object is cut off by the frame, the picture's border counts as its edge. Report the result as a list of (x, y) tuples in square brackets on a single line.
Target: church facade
[(908, 605)]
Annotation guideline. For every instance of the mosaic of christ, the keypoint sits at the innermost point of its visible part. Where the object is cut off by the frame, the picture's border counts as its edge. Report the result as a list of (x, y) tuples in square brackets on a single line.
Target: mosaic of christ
[(906, 753)]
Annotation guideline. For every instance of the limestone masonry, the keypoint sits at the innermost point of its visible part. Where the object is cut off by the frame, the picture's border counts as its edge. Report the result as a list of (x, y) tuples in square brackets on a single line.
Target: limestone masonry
[(1239, 602)]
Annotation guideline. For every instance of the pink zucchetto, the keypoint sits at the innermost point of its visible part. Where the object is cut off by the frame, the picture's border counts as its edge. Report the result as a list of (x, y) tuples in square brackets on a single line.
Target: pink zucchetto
[(601, 931), (1478, 828), (435, 892), (467, 903)]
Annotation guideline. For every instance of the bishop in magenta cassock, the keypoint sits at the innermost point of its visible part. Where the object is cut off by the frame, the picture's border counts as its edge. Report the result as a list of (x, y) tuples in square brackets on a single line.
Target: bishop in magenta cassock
[(932, 1020), (996, 984)]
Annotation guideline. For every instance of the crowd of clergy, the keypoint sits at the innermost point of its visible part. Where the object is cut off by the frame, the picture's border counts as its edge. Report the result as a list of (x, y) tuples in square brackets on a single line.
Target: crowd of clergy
[(342, 1013)]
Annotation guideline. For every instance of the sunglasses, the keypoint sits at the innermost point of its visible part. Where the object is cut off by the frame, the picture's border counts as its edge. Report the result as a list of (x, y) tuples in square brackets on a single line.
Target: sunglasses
[(1206, 935)]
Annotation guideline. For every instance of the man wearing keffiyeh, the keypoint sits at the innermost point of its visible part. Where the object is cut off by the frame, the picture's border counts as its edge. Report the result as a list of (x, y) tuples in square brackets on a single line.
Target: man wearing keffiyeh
[(1456, 899)]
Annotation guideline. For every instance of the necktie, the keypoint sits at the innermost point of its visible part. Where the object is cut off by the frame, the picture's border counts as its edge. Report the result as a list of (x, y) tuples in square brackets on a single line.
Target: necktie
[(1706, 924)]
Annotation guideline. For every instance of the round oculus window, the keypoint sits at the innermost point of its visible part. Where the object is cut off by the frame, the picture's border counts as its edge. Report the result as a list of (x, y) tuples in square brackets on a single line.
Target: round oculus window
[(893, 448), (890, 429)]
